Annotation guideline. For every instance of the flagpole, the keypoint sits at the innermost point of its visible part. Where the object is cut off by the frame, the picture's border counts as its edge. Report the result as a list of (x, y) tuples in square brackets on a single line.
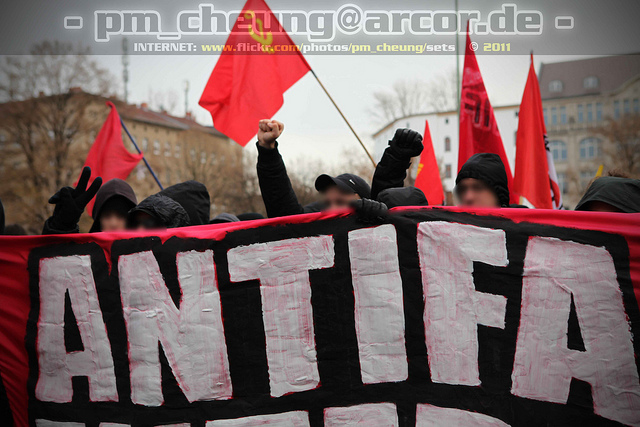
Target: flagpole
[(153, 174), (344, 118)]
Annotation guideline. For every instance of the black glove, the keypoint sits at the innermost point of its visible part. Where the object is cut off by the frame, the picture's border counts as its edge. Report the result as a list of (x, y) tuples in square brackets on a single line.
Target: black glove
[(406, 143), (70, 202), (369, 211)]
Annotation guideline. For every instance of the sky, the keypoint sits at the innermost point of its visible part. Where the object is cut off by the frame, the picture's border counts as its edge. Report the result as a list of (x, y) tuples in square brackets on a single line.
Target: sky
[(313, 127)]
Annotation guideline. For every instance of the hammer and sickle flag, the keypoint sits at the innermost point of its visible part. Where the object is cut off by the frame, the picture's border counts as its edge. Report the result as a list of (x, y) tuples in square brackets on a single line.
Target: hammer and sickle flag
[(257, 65)]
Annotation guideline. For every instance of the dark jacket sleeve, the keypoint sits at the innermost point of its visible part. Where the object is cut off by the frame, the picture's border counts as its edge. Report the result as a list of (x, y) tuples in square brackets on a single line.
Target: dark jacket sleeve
[(390, 172), (275, 186), (50, 227)]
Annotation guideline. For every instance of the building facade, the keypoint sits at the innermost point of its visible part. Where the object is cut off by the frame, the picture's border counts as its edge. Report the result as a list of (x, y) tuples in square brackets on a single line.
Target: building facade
[(578, 97)]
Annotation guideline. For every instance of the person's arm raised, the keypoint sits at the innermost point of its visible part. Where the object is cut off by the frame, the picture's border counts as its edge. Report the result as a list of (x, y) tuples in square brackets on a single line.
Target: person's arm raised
[(70, 203), (275, 186), (392, 168)]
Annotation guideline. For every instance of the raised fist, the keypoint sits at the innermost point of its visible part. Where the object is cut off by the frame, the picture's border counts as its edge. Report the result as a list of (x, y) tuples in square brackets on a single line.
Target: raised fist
[(407, 143), (268, 132)]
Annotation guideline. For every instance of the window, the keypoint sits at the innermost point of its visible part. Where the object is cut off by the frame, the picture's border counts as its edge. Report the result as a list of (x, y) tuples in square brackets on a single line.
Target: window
[(203, 157), (627, 107), (555, 86), (590, 82), (563, 115), (554, 118), (598, 111), (562, 182), (590, 148), (145, 144), (212, 159), (446, 121), (447, 144), (156, 148), (192, 153), (544, 113), (589, 112), (447, 171), (177, 151), (580, 113), (616, 109), (559, 150), (636, 106), (167, 149)]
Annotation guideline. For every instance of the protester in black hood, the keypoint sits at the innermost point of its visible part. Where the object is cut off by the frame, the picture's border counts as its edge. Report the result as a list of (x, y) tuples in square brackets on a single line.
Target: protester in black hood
[(482, 182), (611, 194), (193, 197), (391, 171), (70, 203), (113, 202), (277, 192), (156, 212)]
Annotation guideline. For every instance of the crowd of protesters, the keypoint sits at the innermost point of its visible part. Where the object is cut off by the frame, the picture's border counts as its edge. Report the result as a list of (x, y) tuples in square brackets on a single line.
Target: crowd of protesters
[(481, 183)]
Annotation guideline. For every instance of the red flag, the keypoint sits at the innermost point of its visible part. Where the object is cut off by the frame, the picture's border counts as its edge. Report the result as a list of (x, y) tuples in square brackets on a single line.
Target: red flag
[(535, 177), (258, 64), (108, 156), (428, 176), (478, 127)]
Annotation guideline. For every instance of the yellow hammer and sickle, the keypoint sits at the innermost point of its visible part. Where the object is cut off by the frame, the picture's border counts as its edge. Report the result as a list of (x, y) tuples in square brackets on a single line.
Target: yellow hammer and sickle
[(260, 36)]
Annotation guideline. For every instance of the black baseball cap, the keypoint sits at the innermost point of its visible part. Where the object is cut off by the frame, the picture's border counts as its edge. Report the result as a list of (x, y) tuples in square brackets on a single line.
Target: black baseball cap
[(346, 182)]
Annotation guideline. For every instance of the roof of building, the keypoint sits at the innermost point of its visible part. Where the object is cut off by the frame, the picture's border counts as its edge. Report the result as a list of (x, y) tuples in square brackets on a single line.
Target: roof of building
[(612, 73), (161, 118), (437, 113), (140, 113)]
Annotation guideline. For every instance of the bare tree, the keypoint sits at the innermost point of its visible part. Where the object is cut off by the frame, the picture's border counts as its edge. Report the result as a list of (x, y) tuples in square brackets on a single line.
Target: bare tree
[(408, 97), (46, 124), (621, 146), (442, 92), (166, 101)]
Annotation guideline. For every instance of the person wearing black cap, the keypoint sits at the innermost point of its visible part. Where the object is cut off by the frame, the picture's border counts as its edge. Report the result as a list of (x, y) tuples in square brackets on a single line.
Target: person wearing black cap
[(611, 194), (277, 192), (482, 182)]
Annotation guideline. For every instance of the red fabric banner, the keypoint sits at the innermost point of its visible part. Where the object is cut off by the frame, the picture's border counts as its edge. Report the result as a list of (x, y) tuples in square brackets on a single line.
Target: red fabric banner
[(108, 157), (478, 127), (428, 176), (258, 64), (534, 176), (321, 316)]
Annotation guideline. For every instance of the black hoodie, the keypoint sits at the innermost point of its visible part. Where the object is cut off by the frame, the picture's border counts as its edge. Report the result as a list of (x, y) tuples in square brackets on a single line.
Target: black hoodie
[(167, 212), (621, 193), (193, 197), (487, 167), (110, 190)]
